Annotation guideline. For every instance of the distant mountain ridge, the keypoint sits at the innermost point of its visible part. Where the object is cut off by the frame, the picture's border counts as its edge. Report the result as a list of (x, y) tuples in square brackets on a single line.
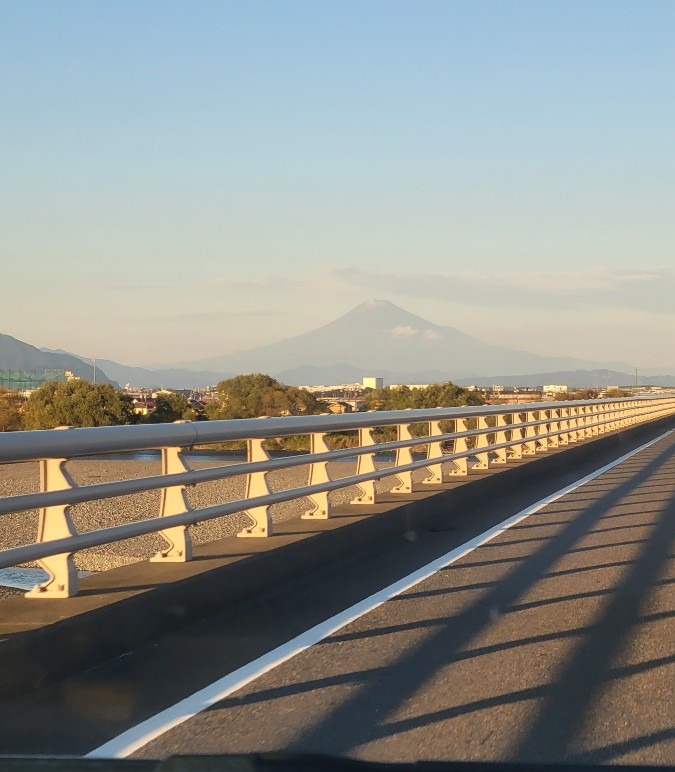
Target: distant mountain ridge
[(17, 355), (144, 378), (576, 379), (377, 337)]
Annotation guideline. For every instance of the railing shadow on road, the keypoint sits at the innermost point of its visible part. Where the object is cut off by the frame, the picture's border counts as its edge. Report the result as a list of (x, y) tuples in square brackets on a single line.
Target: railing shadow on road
[(620, 749), (120, 590), (525, 606), (608, 545), (558, 709), (568, 512), (579, 684)]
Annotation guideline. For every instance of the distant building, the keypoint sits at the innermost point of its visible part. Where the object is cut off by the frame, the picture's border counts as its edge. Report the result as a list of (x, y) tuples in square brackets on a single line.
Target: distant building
[(340, 407), (498, 394), (354, 403), (371, 382), (551, 389), (353, 388), (144, 405), (512, 398)]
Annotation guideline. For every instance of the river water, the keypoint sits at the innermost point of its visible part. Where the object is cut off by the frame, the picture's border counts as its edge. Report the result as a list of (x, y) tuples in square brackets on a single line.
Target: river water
[(26, 578)]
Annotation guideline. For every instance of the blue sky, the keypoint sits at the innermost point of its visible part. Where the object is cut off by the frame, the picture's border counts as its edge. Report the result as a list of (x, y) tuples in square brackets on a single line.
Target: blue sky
[(179, 180)]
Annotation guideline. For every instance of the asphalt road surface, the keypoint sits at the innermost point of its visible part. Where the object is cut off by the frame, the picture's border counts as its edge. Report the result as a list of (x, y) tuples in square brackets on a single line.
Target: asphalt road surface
[(553, 641)]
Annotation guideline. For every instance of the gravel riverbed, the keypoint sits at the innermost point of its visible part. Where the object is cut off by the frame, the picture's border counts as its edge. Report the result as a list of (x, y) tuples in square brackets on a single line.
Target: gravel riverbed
[(21, 528)]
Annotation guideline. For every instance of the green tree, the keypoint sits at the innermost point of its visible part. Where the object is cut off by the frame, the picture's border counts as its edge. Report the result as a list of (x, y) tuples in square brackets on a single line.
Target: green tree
[(77, 403), (436, 395), (11, 406), (302, 402), (257, 394), (171, 407), (618, 393), (564, 396)]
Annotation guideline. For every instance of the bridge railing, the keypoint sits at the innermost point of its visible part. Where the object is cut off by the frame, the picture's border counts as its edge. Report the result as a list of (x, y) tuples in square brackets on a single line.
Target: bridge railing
[(450, 442)]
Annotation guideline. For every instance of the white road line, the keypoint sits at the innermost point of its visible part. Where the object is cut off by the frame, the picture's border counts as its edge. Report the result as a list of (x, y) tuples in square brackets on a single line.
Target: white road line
[(132, 739)]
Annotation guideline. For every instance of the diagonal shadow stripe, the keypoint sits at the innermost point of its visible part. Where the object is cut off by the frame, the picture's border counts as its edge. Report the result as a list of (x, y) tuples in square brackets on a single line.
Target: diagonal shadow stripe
[(614, 751), (353, 722), (593, 567), (576, 690), (511, 698)]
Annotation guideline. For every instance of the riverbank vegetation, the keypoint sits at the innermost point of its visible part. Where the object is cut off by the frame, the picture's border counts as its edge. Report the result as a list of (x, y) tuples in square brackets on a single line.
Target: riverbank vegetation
[(81, 404)]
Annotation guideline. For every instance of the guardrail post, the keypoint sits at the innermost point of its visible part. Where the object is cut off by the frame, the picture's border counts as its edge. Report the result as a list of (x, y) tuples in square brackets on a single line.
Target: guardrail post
[(623, 421), (547, 442), (636, 413), (609, 414), (403, 456), (575, 424), (256, 485), (581, 423), (617, 422), (552, 427), (318, 473), (174, 502), (531, 432), (482, 442), (435, 453), (564, 426), (500, 438), (364, 465), (460, 446), (515, 451), (595, 420), (574, 434), (587, 418), (56, 523)]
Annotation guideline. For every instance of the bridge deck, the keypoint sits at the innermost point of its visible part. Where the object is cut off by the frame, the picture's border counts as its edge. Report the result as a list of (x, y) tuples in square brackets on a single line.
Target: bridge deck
[(552, 642)]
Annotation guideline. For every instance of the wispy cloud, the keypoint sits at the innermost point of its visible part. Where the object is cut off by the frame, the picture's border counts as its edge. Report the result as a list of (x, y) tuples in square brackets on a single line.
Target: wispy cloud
[(647, 289), (406, 331)]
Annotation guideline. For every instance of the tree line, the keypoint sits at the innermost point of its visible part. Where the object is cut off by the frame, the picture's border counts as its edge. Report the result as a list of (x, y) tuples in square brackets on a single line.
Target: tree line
[(81, 404)]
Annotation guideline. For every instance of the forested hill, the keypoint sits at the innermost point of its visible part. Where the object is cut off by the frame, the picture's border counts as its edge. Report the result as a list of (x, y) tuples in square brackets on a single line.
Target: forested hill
[(17, 355)]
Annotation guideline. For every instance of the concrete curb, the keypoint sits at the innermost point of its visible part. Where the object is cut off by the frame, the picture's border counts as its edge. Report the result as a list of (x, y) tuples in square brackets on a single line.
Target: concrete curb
[(120, 610)]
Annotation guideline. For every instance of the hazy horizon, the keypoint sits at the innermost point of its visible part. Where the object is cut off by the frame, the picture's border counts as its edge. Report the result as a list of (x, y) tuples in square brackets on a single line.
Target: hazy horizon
[(190, 181), (402, 333)]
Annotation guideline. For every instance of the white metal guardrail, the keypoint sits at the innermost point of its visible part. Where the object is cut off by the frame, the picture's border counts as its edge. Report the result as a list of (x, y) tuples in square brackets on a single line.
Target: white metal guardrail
[(455, 440)]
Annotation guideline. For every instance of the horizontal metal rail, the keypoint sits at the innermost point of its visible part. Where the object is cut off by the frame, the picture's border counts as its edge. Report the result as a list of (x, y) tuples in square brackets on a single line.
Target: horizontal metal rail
[(97, 492), (46, 443), (103, 536), (499, 434)]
